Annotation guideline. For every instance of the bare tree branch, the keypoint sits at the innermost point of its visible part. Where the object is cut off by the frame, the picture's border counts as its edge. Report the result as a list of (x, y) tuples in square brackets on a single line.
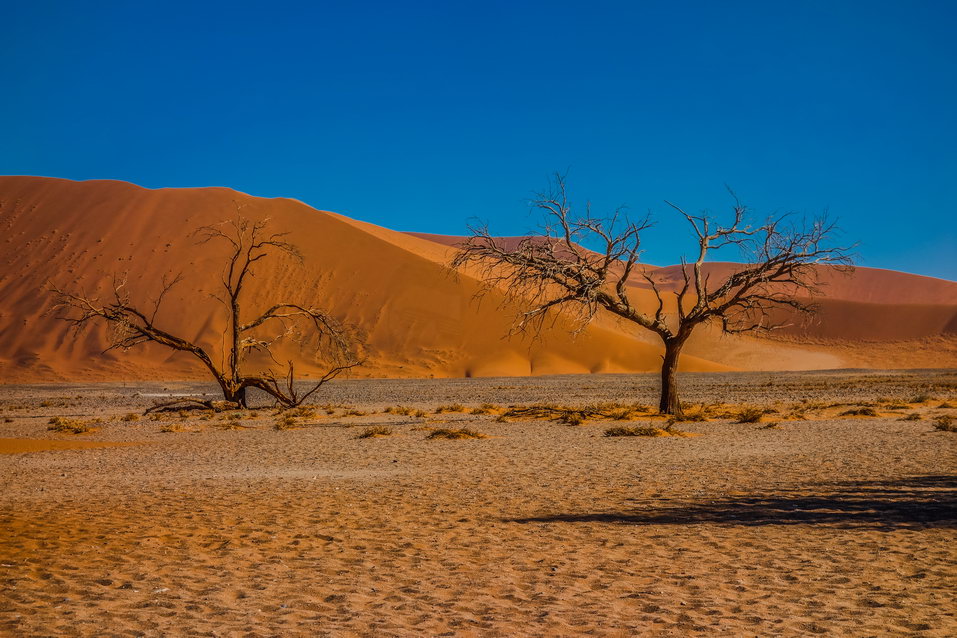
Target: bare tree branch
[(247, 243), (554, 271)]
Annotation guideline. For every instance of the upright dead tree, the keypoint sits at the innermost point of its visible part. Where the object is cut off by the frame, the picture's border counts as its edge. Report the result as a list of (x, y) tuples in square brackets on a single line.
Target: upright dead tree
[(543, 273), (248, 243)]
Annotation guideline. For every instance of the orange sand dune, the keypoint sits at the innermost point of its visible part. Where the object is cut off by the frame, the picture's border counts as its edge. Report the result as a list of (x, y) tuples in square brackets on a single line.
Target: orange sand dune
[(861, 285), (417, 318), (862, 304)]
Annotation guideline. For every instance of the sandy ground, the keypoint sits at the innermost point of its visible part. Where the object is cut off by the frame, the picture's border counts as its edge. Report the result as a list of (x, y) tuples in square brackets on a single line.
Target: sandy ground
[(831, 525)]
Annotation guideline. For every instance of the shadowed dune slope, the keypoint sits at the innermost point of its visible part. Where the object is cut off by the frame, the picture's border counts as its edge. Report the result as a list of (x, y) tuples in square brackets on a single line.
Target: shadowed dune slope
[(395, 289)]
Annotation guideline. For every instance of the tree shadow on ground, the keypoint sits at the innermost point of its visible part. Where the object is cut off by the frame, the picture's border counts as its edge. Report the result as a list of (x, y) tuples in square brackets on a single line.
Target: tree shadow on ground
[(916, 502)]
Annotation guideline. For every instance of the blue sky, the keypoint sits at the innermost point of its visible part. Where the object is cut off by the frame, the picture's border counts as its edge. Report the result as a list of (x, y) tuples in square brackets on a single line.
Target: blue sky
[(420, 116)]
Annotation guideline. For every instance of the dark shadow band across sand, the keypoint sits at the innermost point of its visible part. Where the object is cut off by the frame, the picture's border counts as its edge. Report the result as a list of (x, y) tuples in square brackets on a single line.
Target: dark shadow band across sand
[(921, 501)]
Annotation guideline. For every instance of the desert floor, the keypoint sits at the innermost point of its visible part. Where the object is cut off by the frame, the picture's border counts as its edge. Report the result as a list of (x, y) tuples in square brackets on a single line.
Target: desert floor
[(211, 525)]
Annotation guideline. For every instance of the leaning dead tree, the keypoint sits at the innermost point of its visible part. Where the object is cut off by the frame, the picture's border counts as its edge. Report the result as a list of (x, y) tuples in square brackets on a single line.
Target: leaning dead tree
[(554, 270), (248, 244)]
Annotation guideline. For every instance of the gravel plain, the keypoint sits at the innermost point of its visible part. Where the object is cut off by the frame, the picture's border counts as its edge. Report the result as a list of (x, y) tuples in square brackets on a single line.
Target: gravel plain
[(223, 525)]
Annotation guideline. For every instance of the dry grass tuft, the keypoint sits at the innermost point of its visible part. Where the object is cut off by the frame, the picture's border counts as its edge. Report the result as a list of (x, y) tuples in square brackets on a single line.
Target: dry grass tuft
[(460, 433), (796, 413), (486, 408), (287, 421), (643, 430), (749, 414), (303, 412), (130, 416), (375, 432), (454, 407), (57, 403), (399, 409), (945, 423), (572, 418), (913, 416), (575, 415), (64, 425), (175, 427), (695, 414), (859, 412)]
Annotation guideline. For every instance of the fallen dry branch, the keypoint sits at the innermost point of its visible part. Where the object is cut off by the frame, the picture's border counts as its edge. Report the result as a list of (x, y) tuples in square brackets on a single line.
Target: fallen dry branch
[(179, 405)]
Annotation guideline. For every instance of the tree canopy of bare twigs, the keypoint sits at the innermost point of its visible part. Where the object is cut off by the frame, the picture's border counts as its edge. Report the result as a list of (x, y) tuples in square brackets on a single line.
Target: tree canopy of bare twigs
[(248, 243), (782, 258)]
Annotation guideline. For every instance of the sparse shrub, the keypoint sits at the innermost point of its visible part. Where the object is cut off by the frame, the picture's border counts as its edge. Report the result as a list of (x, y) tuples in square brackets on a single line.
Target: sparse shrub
[(453, 407), (620, 414), (641, 430), (859, 412), (130, 416), (56, 402), (572, 418), (64, 425), (945, 423), (174, 427), (7, 419), (287, 421), (485, 408), (304, 411), (354, 412), (575, 415), (922, 398), (749, 414), (460, 433), (695, 414), (399, 409), (946, 406), (375, 432), (773, 425), (420, 414), (913, 416)]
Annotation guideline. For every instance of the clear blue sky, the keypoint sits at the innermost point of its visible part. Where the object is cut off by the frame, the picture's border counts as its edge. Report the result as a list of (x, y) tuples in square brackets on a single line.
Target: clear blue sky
[(419, 116)]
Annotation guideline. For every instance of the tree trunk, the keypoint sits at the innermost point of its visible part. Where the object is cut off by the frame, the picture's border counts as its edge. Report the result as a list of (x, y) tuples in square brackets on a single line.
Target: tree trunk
[(669, 403), (241, 398), (234, 393), (234, 353)]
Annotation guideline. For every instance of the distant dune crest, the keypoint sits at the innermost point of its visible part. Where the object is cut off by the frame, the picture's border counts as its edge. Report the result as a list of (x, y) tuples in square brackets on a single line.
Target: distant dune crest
[(394, 287)]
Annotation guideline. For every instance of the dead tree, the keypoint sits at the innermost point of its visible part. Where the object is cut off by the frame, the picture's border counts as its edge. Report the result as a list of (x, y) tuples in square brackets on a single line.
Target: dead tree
[(248, 243), (555, 270)]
